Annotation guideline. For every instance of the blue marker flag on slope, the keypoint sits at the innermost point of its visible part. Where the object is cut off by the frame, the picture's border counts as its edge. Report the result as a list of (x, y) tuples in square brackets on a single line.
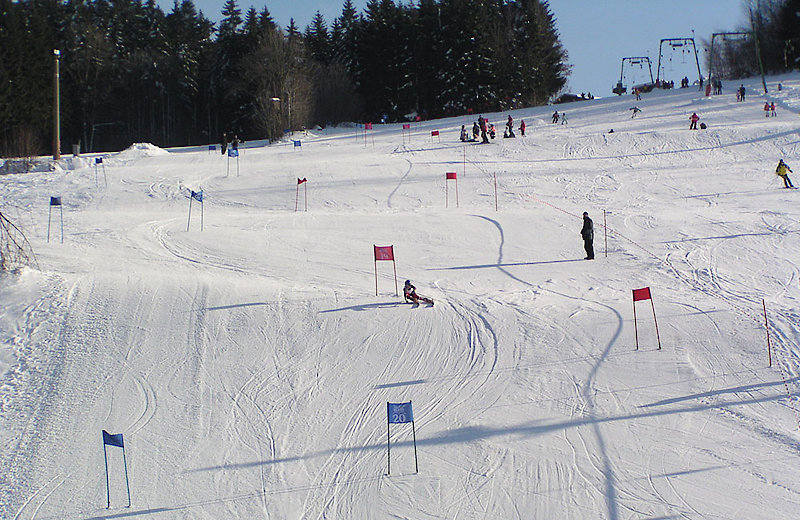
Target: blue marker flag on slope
[(98, 160), (212, 147), (233, 152), (55, 201), (399, 412), (113, 440), (197, 195)]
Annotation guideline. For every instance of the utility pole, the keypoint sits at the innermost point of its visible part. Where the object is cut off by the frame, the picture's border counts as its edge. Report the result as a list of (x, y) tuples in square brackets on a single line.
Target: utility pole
[(56, 109), (758, 51)]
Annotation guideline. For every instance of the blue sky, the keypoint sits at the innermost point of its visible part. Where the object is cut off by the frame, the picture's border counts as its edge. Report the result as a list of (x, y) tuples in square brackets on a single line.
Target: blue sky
[(597, 34)]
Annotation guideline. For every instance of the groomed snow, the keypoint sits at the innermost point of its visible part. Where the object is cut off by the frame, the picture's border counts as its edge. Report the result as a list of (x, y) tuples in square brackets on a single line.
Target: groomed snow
[(248, 365)]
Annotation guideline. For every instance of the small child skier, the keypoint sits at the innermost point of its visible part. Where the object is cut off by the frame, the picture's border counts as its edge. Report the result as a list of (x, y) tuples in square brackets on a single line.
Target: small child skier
[(410, 294)]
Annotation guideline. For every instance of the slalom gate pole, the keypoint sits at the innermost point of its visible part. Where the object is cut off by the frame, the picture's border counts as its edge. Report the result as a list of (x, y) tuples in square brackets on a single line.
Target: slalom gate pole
[(95, 175), (305, 195), (49, 215), (766, 325), (105, 179), (228, 170), (394, 264), (108, 489), (446, 194), (414, 433), (495, 192), (127, 485), (605, 233), (190, 214), (635, 326), (296, 197), (61, 207), (465, 161), (656, 322), (376, 279), (388, 444), (456, 191), (237, 165), (201, 214)]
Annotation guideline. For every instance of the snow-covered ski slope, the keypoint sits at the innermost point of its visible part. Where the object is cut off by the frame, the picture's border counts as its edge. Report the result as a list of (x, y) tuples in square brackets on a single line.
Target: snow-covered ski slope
[(249, 365)]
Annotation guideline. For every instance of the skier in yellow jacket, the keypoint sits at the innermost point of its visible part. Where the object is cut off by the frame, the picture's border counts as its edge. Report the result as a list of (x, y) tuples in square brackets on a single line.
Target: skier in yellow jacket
[(783, 172)]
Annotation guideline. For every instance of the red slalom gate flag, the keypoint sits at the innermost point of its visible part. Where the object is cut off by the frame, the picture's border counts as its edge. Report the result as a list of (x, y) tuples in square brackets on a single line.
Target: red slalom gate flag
[(301, 181), (450, 175), (434, 133), (384, 253), (641, 294), (367, 126), (406, 126)]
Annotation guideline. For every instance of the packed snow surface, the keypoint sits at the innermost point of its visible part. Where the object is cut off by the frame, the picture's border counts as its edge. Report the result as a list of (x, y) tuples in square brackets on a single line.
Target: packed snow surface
[(248, 361)]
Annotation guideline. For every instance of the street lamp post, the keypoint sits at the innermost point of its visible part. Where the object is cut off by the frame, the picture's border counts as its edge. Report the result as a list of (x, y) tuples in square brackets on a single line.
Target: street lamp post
[(56, 110)]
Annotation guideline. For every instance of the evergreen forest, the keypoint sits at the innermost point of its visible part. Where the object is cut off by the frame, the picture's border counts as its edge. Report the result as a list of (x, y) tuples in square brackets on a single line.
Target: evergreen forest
[(130, 72)]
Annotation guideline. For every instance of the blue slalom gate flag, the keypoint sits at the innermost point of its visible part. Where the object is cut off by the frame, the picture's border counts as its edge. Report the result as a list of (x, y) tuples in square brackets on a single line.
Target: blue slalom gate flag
[(113, 440), (197, 195), (98, 160), (297, 143), (212, 147), (55, 201), (400, 413), (232, 152)]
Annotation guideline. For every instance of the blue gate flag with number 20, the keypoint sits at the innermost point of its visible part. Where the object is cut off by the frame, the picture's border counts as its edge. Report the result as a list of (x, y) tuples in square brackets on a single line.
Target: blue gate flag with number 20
[(197, 195), (400, 413)]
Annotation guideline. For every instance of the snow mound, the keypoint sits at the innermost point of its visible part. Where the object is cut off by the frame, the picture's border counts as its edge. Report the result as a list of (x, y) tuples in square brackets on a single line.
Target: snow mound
[(140, 150)]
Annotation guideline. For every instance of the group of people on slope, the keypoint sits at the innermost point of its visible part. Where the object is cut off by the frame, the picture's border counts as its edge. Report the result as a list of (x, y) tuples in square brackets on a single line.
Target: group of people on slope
[(485, 130), (224, 142)]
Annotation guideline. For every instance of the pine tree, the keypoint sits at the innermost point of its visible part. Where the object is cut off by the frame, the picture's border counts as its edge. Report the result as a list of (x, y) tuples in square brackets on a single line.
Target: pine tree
[(318, 40)]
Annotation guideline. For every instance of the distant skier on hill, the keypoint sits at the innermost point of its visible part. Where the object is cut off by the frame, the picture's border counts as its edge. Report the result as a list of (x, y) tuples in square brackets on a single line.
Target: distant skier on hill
[(694, 119), (555, 117), (411, 296), (522, 127), (783, 171)]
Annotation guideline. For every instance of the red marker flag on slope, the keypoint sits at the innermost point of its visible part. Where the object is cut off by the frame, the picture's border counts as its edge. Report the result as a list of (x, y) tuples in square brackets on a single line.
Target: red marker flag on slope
[(641, 294), (406, 126), (301, 181), (367, 126), (434, 133), (384, 252), (450, 176)]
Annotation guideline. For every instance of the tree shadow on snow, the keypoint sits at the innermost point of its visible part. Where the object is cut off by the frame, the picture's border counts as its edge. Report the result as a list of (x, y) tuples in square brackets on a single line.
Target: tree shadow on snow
[(366, 307), (485, 266)]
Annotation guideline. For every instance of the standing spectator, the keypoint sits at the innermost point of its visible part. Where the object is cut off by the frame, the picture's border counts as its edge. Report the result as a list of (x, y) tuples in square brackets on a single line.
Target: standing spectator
[(694, 119), (235, 142), (587, 233), (741, 92), (463, 133), (482, 123), (783, 172), (772, 109), (766, 109), (223, 142), (476, 131), (522, 127)]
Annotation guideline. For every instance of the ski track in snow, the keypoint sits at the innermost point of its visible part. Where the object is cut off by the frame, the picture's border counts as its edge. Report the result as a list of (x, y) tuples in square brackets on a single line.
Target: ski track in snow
[(248, 365)]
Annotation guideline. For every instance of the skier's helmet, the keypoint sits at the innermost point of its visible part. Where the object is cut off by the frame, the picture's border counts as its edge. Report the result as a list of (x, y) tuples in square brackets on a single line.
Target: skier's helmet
[(408, 282)]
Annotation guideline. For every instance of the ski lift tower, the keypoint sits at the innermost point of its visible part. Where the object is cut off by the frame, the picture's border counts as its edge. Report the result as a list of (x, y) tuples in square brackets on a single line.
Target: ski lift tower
[(677, 43), (634, 60), (725, 37)]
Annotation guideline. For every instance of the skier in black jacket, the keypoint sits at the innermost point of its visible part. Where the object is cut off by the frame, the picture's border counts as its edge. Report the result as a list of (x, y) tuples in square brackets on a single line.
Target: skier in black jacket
[(587, 232)]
